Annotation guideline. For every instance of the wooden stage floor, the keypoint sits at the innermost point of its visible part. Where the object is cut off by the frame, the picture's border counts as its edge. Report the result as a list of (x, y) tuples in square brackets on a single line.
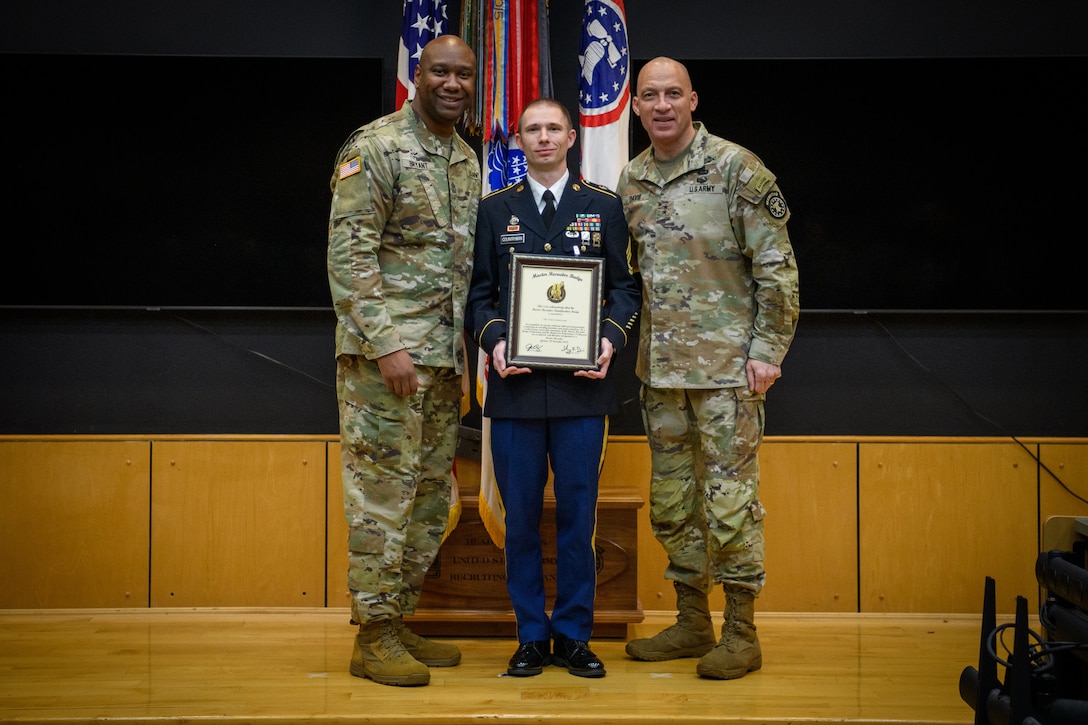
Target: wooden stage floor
[(273, 667)]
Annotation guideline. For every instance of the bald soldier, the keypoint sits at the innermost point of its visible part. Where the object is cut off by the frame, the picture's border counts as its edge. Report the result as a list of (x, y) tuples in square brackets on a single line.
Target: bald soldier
[(404, 194), (719, 309)]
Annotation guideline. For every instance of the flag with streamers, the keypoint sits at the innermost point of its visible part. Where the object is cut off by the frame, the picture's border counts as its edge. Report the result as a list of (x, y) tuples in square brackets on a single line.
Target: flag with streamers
[(423, 21), (492, 511), (513, 55), (604, 91), (510, 38), (455, 494)]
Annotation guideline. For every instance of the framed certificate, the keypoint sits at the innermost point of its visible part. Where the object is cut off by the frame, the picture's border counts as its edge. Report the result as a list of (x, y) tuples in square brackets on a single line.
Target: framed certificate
[(555, 312)]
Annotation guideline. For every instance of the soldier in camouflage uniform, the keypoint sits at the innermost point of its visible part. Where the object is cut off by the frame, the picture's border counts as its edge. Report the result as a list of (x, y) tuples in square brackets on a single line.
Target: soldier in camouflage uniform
[(405, 190), (720, 306)]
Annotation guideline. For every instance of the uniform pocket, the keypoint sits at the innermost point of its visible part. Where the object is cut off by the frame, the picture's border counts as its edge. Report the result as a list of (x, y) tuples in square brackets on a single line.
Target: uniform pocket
[(748, 433)]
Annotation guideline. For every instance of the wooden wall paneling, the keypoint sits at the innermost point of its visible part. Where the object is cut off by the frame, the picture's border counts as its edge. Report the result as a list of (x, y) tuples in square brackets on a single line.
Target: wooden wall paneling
[(1063, 495), (1063, 491), (336, 532), (74, 528), (626, 466), (937, 518), (244, 523), (811, 529), (809, 491), (238, 523)]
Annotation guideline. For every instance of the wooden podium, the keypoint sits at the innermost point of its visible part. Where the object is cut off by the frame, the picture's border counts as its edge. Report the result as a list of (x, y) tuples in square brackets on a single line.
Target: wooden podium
[(465, 593)]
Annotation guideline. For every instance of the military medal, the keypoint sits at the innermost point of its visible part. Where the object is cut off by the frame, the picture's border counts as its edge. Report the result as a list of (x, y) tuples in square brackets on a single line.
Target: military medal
[(585, 227)]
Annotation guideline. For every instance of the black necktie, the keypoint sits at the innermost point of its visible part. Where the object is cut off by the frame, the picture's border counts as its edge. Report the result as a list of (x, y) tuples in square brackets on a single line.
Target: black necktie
[(549, 208)]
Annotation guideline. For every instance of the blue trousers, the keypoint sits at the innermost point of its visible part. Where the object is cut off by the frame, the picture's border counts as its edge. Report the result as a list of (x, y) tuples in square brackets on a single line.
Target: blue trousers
[(522, 450)]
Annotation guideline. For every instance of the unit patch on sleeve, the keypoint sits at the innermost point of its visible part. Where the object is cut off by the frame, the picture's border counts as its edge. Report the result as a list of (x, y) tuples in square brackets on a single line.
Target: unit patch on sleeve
[(776, 205)]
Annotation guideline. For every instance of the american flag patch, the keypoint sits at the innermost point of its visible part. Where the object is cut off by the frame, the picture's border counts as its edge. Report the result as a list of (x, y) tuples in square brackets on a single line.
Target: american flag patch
[(349, 167)]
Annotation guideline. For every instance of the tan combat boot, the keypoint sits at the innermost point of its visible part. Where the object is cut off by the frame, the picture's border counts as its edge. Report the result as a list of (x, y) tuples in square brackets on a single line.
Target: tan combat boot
[(738, 652), (691, 636), (432, 654), (379, 655)]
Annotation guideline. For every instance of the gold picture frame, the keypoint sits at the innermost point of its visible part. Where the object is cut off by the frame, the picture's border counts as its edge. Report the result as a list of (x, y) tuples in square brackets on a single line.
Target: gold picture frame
[(555, 311)]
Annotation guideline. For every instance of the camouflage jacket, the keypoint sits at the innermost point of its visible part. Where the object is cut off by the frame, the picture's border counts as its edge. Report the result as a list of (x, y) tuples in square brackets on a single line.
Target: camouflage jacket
[(401, 232), (719, 277)]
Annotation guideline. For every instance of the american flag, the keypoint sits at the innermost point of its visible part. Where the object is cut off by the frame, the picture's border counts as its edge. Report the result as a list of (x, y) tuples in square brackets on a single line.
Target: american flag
[(349, 167), (424, 20)]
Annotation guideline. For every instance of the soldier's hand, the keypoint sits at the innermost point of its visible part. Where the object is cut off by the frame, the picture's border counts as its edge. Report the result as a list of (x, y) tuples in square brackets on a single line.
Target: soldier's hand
[(399, 373), (761, 375), (498, 357), (603, 361)]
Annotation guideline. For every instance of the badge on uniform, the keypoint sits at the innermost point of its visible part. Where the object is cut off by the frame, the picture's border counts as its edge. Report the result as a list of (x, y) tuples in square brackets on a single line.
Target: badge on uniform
[(776, 205), (514, 224), (350, 168), (583, 225)]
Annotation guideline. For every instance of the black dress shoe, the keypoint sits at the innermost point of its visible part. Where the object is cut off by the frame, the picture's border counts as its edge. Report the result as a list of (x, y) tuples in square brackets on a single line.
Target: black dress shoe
[(575, 655), (530, 659)]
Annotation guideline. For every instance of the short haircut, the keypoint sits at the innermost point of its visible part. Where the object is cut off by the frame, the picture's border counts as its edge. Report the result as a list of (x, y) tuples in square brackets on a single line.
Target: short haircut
[(546, 102)]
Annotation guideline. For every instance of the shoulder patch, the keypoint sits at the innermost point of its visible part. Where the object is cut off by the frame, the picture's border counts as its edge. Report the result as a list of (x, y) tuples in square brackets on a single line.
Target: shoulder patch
[(756, 179), (776, 205), (350, 168)]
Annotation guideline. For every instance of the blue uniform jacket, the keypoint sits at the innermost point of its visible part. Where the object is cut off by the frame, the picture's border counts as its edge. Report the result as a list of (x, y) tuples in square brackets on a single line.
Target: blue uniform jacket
[(509, 223)]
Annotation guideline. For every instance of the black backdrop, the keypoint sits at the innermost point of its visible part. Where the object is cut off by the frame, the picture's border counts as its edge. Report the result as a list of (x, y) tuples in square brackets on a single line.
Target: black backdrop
[(915, 184), (265, 370), (176, 180)]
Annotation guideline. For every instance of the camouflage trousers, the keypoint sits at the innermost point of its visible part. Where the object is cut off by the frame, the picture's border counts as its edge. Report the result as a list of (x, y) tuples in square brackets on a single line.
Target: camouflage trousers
[(704, 486), (397, 460)]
